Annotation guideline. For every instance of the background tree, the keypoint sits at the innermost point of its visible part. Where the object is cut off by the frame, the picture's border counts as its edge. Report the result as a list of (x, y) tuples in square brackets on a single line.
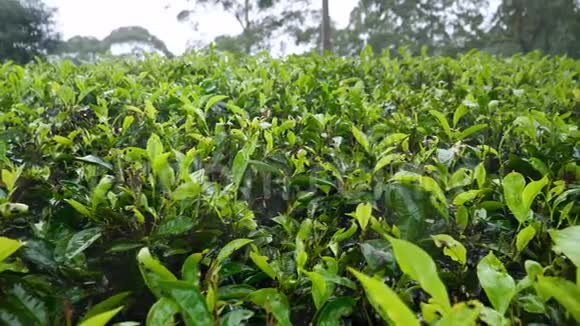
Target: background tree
[(139, 39), (441, 25), (526, 25), (26, 30), (262, 22)]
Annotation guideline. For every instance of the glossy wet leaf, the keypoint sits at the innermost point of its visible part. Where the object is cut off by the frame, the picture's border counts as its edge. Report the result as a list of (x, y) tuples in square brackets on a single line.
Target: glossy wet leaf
[(190, 269), (385, 301), (498, 285), (81, 241)]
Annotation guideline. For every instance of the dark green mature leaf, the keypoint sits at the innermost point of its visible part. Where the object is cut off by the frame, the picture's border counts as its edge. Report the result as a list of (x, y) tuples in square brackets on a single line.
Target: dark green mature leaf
[(411, 207), (95, 160), (334, 311), (174, 226), (191, 302), (81, 241), (26, 307)]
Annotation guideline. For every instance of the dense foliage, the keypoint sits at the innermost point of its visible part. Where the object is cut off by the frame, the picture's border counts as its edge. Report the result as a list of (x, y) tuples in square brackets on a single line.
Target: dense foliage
[(339, 191)]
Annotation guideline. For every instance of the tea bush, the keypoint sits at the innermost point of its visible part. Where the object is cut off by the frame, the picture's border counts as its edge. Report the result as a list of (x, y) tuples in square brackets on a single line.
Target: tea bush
[(214, 190)]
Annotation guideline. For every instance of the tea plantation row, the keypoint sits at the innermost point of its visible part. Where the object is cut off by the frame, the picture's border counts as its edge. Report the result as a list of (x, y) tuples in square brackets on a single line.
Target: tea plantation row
[(214, 190)]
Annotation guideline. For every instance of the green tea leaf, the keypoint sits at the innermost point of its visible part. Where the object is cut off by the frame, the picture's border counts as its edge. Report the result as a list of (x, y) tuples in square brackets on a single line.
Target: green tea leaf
[(532, 190), (470, 131), (567, 242), (363, 214), (187, 190), (361, 138), (106, 305), (236, 317), (480, 175), (385, 301), (101, 319), (162, 313), (190, 269), (8, 247), (274, 303), (513, 188), (451, 248), (387, 160), (190, 301), (163, 171), (319, 289), (564, 291), (213, 101), (262, 263), (498, 285), (464, 197), (84, 210), (95, 160), (81, 241), (461, 315), (524, 237), (442, 122), (332, 313), (229, 249), (417, 263), (154, 147), (153, 272)]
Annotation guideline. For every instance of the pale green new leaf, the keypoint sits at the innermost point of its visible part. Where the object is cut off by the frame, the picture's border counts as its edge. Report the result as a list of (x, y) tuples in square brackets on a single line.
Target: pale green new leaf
[(451, 247), (361, 138), (101, 319), (385, 301), (524, 237), (564, 291), (567, 242), (498, 285), (417, 264)]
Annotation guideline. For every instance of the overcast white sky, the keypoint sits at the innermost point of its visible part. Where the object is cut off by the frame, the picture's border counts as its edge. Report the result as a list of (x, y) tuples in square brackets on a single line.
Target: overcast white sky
[(99, 17)]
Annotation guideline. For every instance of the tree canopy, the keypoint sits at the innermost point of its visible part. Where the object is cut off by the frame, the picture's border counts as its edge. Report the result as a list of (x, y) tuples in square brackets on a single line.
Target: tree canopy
[(26, 30)]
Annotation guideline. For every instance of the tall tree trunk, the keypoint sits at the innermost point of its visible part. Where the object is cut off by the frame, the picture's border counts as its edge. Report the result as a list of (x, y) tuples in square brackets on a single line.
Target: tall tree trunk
[(326, 45)]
